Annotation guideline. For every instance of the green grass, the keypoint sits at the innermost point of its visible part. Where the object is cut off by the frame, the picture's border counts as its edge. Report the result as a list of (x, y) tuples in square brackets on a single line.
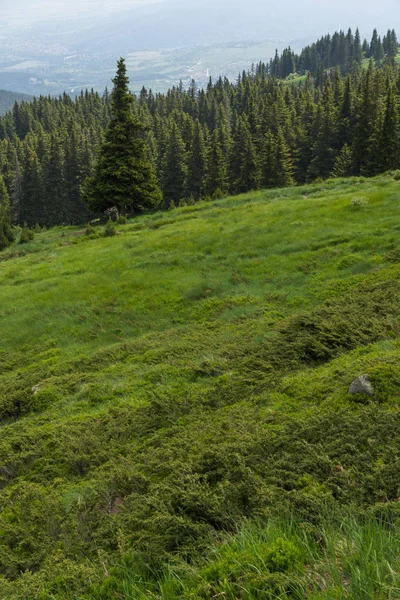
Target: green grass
[(168, 393)]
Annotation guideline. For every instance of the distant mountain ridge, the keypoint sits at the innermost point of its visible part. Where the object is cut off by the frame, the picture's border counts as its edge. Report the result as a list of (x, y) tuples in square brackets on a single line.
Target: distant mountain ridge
[(7, 100)]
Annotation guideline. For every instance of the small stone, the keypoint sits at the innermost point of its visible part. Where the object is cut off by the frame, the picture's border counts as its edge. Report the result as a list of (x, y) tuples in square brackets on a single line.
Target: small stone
[(362, 385)]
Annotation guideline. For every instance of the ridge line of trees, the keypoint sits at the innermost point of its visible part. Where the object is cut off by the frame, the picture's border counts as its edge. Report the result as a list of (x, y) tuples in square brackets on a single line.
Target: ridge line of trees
[(258, 132)]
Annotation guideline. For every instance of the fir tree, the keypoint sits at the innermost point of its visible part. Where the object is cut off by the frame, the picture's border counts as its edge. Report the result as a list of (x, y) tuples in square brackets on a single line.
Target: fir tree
[(245, 174), (388, 148), (6, 235), (216, 168), (284, 168), (197, 165), (344, 163), (174, 168), (123, 175)]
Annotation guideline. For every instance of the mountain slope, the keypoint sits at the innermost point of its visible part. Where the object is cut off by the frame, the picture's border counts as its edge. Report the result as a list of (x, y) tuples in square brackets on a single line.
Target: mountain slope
[(7, 100), (161, 387)]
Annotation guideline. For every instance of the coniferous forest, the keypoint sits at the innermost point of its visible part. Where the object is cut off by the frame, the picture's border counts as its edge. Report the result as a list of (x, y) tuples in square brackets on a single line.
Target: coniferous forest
[(338, 117)]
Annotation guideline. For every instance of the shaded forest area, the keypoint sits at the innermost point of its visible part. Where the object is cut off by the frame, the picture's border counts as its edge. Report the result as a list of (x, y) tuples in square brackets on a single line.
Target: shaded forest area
[(259, 132)]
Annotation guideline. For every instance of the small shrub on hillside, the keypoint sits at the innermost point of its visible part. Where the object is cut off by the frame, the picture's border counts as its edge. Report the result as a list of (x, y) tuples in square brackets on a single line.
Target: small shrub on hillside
[(26, 235), (282, 556), (122, 220), (396, 175), (37, 228), (393, 256), (89, 229), (385, 379), (218, 194), (359, 202), (109, 230)]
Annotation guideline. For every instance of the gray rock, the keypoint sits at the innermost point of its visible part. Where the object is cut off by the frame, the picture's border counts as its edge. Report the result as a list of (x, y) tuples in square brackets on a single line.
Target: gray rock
[(362, 385)]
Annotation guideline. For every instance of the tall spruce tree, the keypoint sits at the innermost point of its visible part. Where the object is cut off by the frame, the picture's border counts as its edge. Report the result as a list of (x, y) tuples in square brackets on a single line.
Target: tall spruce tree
[(123, 175), (174, 168), (388, 147), (197, 164), (6, 235), (217, 180)]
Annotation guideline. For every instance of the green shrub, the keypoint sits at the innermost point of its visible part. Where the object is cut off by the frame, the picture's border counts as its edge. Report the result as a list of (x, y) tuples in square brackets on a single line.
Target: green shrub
[(26, 235), (109, 230), (385, 379), (89, 229), (122, 220), (359, 202), (281, 556)]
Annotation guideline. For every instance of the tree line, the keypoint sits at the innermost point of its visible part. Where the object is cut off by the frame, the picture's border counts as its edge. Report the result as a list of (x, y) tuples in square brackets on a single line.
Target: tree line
[(232, 137), (339, 50)]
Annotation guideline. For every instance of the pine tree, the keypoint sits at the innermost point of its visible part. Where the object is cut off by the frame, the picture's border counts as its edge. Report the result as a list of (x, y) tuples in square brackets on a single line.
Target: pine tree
[(284, 168), (123, 175), (30, 209), (216, 168), (244, 170), (388, 148), (324, 153), (268, 165), (174, 168), (197, 165), (358, 51), (6, 234), (344, 163), (364, 123)]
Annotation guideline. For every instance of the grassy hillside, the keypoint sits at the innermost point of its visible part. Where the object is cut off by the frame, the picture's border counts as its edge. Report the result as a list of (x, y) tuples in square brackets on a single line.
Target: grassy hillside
[(178, 395)]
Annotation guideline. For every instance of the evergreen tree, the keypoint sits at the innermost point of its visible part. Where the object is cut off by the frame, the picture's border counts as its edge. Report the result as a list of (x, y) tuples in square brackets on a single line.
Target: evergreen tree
[(216, 168), (174, 168), (197, 165), (364, 123), (123, 175), (344, 163), (324, 153), (268, 166), (388, 148), (244, 171), (284, 168), (6, 235), (30, 209)]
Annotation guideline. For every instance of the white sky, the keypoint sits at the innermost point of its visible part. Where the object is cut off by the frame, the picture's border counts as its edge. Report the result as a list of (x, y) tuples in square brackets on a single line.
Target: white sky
[(292, 18), (39, 9)]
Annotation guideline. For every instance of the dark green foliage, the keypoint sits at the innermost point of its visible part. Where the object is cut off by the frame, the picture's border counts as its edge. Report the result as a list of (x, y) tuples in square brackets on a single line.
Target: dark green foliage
[(197, 164), (337, 118), (109, 230), (26, 235), (343, 163), (174, 169), (89, 229), (6, 234), (123, 175), (367, 313)]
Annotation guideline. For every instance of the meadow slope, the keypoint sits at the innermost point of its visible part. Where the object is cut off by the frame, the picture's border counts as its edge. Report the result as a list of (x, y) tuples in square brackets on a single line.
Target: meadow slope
[(175, 416)]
